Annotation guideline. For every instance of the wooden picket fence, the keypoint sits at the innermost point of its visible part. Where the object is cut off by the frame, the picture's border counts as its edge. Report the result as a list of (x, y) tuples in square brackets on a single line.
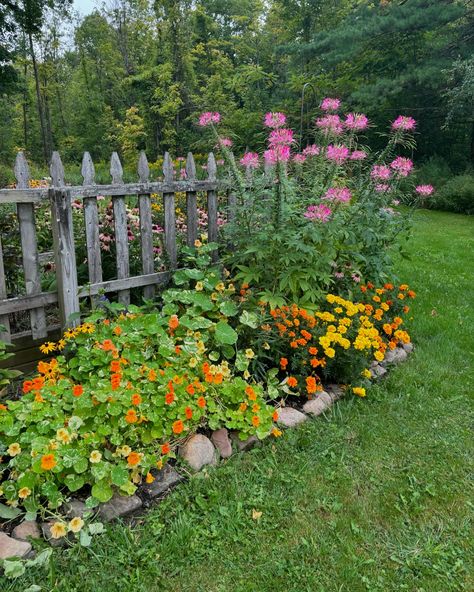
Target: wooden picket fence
[(60, 198)]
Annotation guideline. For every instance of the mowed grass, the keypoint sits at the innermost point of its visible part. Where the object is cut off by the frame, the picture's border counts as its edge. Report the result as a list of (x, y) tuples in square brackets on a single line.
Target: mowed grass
[(377, 496)]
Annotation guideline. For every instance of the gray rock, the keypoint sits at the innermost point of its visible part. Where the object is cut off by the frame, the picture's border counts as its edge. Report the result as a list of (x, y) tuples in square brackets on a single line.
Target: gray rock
[(408, 347), (317, 405), (335, 391), (395, 356), (118, 507), (378, 371), (244, 445), (164, 480), (220, 439), (12, 547), (46, 530), (75, 509), (289, 417), (198, 451), (28, 528)]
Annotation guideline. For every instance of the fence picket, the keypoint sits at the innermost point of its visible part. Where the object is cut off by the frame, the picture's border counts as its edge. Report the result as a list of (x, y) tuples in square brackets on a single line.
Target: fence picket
[(146, 225), (120, 227), (212, 228), (64, 249), (170, 213), (4, 320), (29, 248), (91, 222), (191, 203)]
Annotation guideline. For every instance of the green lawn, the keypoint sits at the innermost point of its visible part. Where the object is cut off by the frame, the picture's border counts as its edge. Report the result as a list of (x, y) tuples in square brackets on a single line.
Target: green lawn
[(375, 497)]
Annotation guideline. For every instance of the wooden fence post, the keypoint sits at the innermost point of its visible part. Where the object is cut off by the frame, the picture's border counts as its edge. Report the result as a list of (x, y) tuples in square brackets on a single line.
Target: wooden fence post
[(212, 228), (64, 251), (146, 225), (4, 320), (170, 213), (29, 248), (121, 228), (191, 203)]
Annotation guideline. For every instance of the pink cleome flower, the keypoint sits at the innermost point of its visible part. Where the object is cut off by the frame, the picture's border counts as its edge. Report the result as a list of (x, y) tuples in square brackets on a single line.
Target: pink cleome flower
[(356, 121), (380, 171), (250, 160), (208, 118), (424, 189), (358, 155), (299, 158), (311, 150), (329, 104), (402, 166), (404, 123), (330, 124), (337, 153), (275, 120), (382, 188), (224, 143), (277, 154), (341, 194), (280, 137), (320, 212)]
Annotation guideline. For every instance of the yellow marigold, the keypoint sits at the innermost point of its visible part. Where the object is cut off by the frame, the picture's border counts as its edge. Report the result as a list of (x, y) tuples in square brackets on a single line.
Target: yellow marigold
[(330, 352), (359, 391), (366, 373), (378, 355)]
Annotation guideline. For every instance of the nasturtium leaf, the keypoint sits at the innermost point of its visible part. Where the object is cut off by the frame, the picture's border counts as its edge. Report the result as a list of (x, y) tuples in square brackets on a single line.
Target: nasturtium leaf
[(249, 318), (81, 465), (75, 423), (85, 539), (74, 482), (119, 475), (228, 308), (102, 491), (194, 274), (225, 334), (96, 528), (129, 488), (13, 568), (9, 512)]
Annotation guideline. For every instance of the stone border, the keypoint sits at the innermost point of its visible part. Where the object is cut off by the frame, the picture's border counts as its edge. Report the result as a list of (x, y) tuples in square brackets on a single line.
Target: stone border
[(198, 451)]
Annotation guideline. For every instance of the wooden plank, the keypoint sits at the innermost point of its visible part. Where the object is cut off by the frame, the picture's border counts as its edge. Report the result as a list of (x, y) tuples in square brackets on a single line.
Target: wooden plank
[(80, 192), (138, 281), (91, 222), (191, 203), (26, 352), (212, 228), (29, 248), (21, 303), (170, 214), (146, 226), (4, 320), (64, 251), (120, 227)]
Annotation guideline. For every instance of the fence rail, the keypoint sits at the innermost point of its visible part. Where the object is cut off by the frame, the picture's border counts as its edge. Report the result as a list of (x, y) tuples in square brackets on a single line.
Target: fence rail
[(60, 196)]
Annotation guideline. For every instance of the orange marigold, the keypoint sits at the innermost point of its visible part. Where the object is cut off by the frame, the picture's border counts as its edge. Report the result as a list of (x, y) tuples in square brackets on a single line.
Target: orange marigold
[(311, 385), (283, 363), (291, 382)]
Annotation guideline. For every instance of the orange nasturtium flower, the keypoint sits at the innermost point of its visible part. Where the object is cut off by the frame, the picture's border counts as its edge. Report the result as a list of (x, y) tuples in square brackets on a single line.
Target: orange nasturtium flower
[(136, 399), (131, 416), (201, 402), (188, 412), (178, 426), (243, 407), (173, 323), (149, 478), (165, 448), (115, 366), (169, 397), (117, 330), (275, 416), (190, 389), (77, 390), (255, 421), (250, 393), (152, 376), (48, 462), (291, 382), (133, 459)]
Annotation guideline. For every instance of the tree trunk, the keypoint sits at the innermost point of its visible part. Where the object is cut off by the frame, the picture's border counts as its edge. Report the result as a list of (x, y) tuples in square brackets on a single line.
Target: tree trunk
[(46, 151)]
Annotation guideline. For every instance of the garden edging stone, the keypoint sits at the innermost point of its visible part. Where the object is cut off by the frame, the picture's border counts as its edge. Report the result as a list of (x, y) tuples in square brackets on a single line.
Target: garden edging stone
[(166, 479), (290, 417), (198, 451), (26, 529), (12, 547), (118, 507)]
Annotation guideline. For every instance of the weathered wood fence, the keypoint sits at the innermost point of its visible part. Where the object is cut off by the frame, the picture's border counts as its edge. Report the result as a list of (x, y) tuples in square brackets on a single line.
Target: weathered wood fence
[(60, 198)]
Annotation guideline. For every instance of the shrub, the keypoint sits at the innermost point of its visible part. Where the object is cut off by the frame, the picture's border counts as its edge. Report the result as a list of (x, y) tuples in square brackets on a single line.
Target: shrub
[(456, 195)]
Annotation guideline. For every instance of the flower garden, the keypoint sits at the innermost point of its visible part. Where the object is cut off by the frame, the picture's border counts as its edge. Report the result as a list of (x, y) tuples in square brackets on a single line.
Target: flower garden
[(305, 294)]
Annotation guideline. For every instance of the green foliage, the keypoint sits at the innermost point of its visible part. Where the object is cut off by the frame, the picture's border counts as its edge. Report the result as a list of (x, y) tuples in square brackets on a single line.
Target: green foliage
[(456, 195)]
